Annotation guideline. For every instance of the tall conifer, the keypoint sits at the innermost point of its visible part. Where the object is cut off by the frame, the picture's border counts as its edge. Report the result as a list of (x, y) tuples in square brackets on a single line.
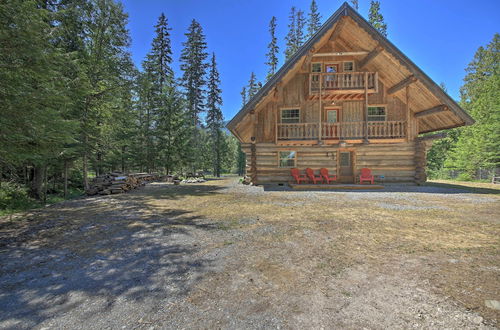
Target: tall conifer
[(314, 22), (214, 117), (376, 19), (291, 37), (273, 50), (194, 67)]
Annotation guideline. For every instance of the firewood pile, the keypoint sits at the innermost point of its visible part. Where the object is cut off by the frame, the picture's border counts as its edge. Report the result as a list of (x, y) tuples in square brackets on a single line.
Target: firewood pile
[(117, 183)]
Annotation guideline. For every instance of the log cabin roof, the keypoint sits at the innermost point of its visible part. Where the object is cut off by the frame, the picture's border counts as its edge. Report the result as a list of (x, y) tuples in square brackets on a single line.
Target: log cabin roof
[(437, 109)]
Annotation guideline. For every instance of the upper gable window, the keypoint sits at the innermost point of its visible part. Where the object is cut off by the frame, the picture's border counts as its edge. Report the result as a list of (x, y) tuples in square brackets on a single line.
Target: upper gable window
[(332, 68), (290, 116), (316, 67), (349, 66)]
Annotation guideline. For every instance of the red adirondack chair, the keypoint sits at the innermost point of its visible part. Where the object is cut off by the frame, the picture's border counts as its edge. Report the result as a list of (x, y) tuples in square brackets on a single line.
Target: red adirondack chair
[(326, 177), (297, 176), (366, 175), (312, 177)]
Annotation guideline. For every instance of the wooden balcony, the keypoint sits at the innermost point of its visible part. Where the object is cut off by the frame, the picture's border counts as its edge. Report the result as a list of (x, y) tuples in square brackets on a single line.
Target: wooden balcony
[(343, 130), (343, 82)]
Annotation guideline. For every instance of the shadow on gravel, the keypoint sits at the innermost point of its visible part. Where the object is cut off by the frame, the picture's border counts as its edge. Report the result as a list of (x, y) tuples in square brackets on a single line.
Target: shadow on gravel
[(169, 191), (86, 261), (428, 188)]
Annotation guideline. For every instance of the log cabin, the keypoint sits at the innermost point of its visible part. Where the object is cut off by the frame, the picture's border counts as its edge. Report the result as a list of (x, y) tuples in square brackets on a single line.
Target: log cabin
[(347, 99)]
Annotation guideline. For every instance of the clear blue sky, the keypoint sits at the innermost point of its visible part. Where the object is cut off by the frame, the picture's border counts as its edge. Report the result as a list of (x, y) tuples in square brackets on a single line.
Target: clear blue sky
[(440, 36)]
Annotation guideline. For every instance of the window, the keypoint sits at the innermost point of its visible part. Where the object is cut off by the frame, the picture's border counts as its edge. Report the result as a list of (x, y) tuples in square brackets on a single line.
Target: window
[(376, 113), (315, 67), (348, 66), (287, 158), (331, 68), (290, 116)]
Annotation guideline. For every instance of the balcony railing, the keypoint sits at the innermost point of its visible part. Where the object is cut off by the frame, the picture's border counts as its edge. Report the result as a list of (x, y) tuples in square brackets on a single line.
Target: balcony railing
[(344, 81), (342, 130)]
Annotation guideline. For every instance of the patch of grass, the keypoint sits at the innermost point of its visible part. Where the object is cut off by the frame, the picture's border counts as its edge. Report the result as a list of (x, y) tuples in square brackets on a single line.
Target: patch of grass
[(473, 186), (15, 199)]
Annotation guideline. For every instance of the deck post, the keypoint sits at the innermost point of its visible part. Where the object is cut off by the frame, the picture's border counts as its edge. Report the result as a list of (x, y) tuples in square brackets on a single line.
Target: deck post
[(407, 108), (320, 107), (366, 107)]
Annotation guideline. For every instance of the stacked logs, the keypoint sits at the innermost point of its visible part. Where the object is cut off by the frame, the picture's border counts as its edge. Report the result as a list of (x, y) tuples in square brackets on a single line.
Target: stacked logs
[(117, 183)]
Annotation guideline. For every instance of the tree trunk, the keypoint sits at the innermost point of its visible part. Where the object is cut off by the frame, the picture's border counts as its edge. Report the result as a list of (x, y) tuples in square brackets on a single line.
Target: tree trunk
[(85, 171), (65, 179), (37, 183), (123, 158), (46, 183)]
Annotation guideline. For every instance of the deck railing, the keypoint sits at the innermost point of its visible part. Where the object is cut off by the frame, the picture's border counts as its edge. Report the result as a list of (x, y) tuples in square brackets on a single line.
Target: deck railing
[(343, 81), (342, 130)]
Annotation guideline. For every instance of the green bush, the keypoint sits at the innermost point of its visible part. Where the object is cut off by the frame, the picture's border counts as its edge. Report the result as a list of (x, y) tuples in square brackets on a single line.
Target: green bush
[(14, 197), (464, 176)]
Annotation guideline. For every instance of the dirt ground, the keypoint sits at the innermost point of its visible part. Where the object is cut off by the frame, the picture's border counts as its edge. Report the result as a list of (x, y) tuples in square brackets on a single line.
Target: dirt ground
[(222, 255)]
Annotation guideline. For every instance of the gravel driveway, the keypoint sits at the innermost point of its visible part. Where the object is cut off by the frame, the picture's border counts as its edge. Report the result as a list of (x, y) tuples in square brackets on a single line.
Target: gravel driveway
[(223, 255)]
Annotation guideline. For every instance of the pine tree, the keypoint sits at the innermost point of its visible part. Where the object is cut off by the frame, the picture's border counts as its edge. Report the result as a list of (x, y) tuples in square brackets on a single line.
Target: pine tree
[(214, 117), (273, 50), (35, 121), (159, 59), (160, 81), (314, 23), (253, 86), (194, 66), (300, 25), (291, 37), (243, 94), (376, 19), (355, 4), (477, 146)]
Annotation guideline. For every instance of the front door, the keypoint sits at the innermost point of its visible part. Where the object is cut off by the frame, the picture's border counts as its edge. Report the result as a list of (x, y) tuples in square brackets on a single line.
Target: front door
[(346, 163)]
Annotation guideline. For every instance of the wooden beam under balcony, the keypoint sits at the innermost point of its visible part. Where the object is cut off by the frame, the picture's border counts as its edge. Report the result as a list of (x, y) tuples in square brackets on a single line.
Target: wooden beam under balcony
[(431, 111), (341, 54), (402, 84), (368, 58)]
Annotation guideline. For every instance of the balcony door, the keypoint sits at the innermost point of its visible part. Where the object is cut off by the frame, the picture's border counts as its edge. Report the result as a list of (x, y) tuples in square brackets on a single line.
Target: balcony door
[(332, 118)]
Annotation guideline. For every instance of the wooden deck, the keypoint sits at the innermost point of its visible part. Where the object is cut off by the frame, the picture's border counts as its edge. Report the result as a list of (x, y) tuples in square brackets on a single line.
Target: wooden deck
[(337, 186)]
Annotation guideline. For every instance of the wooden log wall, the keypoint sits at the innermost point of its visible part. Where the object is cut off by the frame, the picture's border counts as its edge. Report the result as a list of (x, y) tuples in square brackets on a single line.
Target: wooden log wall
[(395, 161)]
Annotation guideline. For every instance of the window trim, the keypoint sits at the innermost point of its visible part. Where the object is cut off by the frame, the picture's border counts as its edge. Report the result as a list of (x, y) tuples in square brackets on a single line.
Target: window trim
[(353, 66), (294, 158), (290, 108), (320, 67), (377, 106)]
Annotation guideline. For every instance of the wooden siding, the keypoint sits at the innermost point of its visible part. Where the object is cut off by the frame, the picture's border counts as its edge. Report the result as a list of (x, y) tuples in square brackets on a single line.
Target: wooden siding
[(395, 161)]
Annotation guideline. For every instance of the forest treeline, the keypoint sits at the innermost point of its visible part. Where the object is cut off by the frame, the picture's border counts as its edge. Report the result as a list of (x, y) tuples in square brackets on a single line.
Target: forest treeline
[(74, 105)]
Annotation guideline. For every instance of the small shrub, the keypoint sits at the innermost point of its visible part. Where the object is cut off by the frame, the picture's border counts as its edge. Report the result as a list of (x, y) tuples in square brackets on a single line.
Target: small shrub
[(464, 177), (14, 197)]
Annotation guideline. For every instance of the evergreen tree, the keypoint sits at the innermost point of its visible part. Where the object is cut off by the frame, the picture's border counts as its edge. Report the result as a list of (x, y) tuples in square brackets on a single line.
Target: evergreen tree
[(291, 37), (376, 19), (300, 25), (273, 50), (253, 86), (194, 66), (477, 146), (35, 121), (214, 117), (355, 4), (159, 78), (314, 23), (243, 94)]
